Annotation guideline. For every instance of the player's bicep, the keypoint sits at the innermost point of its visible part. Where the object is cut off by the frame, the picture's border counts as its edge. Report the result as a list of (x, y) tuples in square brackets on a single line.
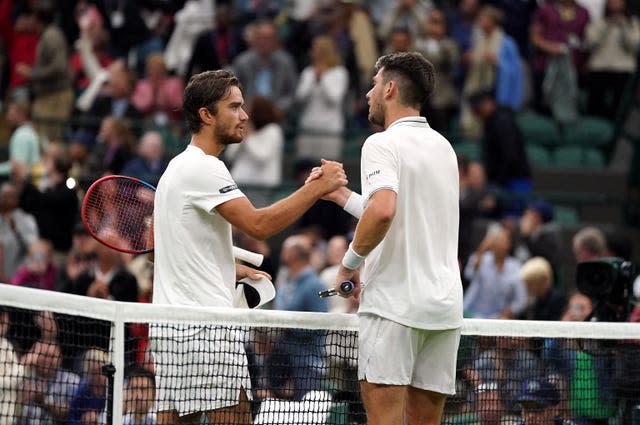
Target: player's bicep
[(382, 204), (239, 212)]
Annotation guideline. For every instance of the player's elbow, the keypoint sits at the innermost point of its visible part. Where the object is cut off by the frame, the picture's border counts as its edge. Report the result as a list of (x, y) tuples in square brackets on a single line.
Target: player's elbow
[(382, 206), (384, 214), (260, 229), (256, 232)]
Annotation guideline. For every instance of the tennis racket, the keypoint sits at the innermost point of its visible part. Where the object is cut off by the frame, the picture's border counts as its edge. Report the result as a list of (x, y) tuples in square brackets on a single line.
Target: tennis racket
[(118, 212), (346, 288)]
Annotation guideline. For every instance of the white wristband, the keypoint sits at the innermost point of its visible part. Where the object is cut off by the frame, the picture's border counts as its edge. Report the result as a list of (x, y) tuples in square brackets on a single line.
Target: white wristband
[(352, 259), (354, 205)]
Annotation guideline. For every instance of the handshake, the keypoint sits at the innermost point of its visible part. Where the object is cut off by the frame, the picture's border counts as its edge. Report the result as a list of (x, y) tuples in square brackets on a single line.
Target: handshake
[(330, 179)]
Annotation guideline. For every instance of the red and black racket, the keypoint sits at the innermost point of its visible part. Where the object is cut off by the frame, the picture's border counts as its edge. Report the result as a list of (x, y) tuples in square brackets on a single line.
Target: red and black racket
[(118, 212)]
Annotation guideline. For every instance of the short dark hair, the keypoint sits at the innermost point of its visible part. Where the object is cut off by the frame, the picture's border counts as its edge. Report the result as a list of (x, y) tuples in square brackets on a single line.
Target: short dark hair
[(44, 10), (204, 90), (140, 372), (61, 159), (262, 112), (414, 74)]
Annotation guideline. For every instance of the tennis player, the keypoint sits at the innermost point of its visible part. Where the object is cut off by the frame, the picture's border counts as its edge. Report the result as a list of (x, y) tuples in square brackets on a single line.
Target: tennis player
[(411, 307), (196, 204)]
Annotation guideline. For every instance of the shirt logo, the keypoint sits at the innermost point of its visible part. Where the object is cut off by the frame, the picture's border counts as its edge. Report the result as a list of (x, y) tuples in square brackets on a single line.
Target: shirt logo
[(229, 188), (373, 173)]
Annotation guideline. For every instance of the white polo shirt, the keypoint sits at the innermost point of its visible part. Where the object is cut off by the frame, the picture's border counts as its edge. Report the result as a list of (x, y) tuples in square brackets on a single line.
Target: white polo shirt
[(193, 262), (412, 277)]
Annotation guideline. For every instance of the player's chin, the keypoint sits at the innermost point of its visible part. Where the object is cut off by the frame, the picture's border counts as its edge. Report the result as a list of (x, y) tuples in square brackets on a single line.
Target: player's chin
[(236, 137)]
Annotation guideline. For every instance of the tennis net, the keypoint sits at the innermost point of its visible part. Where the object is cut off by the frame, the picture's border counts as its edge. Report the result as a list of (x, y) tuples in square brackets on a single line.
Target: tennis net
[(69, 359)]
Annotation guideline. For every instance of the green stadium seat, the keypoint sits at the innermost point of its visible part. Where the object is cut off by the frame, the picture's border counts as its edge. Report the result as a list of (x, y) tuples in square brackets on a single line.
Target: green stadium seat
[(470, 149), (565, 215), (538, 129), (538, 155), (173, 143), (351, 150), (589, 131), (353, 144), (578, 156), (593, 157)]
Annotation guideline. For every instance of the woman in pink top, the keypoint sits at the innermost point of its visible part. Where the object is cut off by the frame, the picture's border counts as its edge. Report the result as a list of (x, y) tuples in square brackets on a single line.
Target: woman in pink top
[(38, 270), (159, 95)]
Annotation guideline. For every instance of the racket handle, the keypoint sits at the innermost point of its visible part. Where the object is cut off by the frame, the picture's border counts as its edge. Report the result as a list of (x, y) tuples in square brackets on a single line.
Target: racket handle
[(248, 256), (346, 288)]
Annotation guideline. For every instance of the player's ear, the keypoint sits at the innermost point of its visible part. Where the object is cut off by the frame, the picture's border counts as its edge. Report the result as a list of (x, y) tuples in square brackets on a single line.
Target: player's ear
[(389, 88), (205, 115)]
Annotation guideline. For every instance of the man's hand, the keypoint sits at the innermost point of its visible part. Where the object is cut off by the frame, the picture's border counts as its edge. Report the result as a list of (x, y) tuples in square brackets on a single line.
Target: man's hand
[(348, 274), (99, 289), (338, 196), (332, 176), (243, 271)]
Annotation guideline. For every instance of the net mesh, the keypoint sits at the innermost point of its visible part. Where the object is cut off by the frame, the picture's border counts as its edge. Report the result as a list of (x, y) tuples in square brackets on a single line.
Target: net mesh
[(61, 356), (115, 210)]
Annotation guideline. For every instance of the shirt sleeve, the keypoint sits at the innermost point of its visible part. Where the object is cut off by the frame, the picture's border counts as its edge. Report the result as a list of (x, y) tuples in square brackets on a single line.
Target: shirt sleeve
[(211, 185), (379, 165)]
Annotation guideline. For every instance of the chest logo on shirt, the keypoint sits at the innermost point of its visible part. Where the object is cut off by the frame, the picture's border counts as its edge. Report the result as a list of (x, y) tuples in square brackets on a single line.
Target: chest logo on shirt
[(373, 173), (229, 188)]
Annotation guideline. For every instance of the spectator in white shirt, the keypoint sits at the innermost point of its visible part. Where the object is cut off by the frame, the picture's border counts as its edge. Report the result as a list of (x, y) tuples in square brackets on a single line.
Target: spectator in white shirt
[(321, 93), (257, 162)]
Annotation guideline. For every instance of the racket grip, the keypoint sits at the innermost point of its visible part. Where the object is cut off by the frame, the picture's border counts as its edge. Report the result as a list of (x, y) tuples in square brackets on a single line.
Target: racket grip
[(248, 256), (346, 288)]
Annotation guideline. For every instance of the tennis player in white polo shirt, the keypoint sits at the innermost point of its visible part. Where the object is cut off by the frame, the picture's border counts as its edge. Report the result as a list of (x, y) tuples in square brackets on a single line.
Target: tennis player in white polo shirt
[(411, 301), (203, 369)]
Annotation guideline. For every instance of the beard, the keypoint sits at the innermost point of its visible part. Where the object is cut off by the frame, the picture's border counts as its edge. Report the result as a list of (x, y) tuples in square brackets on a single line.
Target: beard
[(227, 137), (376, 114)]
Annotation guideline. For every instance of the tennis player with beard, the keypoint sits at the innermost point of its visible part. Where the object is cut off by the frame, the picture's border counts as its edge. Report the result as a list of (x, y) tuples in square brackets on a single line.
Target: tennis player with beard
[(196, 204), (411, 304)]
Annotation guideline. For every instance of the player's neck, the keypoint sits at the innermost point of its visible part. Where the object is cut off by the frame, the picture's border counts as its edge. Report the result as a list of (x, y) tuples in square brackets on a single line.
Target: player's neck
[(207, 143), (397, 112)]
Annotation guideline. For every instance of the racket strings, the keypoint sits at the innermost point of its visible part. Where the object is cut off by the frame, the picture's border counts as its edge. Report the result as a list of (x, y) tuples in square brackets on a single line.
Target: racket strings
[(119, 213)]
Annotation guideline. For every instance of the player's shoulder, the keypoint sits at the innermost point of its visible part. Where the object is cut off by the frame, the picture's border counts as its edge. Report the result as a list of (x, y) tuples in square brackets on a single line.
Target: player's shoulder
[(377, 144), (375, 138), (194, 164), (193, 157)]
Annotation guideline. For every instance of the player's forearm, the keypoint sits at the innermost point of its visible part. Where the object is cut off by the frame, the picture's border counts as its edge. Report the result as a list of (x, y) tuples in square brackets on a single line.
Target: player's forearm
[(275, 218), (369, 233), (373, 225)]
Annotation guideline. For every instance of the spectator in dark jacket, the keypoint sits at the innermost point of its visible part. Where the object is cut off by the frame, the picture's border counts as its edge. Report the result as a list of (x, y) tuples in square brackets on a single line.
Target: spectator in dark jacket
[(218, 47), (150, 162), (55, 206), (503, 150)]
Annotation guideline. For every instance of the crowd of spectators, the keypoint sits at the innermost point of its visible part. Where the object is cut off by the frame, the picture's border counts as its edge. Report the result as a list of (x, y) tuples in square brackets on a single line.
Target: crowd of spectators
[(94, 87)]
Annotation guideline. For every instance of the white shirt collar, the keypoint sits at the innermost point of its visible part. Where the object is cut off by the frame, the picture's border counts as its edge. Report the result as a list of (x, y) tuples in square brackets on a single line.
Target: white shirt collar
[(414, 120), (191, 147)]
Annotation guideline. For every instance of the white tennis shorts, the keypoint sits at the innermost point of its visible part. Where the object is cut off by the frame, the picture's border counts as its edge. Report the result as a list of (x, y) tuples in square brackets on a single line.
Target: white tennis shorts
[(199, 368), (394, 354)]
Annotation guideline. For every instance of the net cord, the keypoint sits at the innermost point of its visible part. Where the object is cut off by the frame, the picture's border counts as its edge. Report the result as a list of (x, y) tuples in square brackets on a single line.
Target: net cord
[(122, 312), (38, 299)]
